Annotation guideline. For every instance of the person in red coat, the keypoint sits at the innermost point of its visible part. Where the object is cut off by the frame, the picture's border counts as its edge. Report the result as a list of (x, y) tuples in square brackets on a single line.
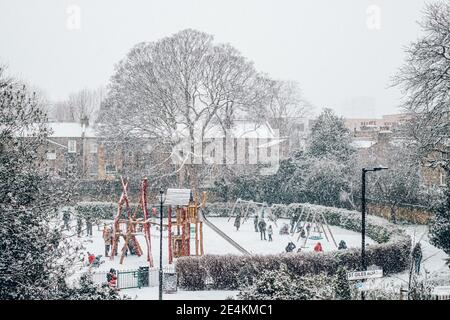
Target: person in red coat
[(91, 258), (318, 247)]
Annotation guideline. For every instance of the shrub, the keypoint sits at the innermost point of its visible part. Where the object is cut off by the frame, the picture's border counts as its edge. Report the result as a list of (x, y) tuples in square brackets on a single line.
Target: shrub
[(235, 271), (281, 284)]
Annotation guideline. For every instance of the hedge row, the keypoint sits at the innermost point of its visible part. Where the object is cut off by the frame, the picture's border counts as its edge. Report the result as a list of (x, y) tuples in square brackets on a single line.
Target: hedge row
[(228, 272)]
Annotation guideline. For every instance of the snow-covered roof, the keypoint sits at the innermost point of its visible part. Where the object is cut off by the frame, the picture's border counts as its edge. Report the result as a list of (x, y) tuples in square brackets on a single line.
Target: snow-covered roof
[(70, 130), (240, 129), (363, 144)]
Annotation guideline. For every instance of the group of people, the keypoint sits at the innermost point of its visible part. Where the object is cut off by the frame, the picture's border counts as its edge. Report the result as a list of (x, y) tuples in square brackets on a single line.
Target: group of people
[(88, 221), (260, 226), (291, 246), (108, 240)]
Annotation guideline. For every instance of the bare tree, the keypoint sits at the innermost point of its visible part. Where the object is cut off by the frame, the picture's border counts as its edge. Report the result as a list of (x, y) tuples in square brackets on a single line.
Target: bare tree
[(425, 83), (84, 103), (177, 88)]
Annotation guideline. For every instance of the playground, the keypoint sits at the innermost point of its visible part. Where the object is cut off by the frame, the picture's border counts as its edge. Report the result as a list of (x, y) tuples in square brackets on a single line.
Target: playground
[(215, 244)]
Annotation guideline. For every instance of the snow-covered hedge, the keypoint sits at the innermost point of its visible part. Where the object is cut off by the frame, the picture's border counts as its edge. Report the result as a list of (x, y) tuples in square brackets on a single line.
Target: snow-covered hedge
[(226, 271), (97, 210)]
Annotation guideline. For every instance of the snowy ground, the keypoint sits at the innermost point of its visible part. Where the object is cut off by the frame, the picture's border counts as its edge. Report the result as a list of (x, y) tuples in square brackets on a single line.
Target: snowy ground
[(433, 258), (433, 261), (213, 244)]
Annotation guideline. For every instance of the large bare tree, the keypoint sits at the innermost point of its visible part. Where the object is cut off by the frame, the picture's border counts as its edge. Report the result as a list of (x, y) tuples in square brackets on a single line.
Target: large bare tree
[(178, 88)]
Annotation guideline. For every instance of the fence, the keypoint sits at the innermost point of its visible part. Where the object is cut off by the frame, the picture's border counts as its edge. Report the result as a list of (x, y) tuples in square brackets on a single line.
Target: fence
[(137, 278)]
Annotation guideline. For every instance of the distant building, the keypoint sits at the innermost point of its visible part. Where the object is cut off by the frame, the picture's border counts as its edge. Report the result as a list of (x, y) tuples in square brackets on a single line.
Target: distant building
[(370, 127)]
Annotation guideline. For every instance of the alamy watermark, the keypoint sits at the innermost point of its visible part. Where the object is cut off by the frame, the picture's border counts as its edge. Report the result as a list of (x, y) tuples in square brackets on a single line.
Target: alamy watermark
[(262, 151), (73, 18)]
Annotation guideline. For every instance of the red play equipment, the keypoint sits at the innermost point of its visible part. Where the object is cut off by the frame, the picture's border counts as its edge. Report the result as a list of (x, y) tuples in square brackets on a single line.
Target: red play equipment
[(178, 244), (131, 223)]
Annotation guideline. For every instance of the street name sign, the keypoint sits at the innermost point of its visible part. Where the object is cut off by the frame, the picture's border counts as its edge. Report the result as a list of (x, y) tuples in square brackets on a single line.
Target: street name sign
[(369, 274)]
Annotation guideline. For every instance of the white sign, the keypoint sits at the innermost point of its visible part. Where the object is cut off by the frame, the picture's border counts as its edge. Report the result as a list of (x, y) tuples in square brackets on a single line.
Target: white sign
[(178, 197), (369, 274)]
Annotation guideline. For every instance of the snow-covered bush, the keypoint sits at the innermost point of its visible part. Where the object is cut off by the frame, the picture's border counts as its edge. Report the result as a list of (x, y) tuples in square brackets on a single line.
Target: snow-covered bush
[(232, 271), (97, 210), (281, 284), (192, 274)]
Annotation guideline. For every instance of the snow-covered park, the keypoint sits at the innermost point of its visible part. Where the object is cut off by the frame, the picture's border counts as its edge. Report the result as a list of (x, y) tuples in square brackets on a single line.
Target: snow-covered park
[(433, 262), (213, 244)]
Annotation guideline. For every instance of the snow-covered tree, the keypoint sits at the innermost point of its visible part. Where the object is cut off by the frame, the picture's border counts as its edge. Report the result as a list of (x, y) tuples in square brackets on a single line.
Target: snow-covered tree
[(425, 81), (440, 225), (330, 138), (33, 253), (342, 286), (177, 88)]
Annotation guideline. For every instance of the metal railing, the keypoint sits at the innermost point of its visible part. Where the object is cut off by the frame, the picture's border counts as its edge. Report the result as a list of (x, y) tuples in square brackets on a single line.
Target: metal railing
[(137, 278)]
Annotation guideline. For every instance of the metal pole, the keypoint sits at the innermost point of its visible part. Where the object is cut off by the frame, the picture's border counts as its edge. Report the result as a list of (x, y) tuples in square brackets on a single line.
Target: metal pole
[(363, 225), (161, 191)]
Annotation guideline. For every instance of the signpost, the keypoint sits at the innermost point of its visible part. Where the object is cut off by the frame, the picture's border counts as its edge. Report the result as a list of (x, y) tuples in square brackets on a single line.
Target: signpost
[(369, 274)]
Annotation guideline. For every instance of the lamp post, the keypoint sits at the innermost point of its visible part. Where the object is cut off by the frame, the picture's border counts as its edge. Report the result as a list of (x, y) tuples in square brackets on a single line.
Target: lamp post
[(363, 217), (161, 192)]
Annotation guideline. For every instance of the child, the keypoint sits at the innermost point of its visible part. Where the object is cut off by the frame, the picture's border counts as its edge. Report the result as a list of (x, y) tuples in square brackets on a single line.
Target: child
[(112, 278), (270, 232), (318, 247)]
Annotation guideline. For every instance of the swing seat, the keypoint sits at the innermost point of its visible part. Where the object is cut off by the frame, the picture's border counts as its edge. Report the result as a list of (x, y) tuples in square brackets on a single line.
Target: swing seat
[(315, 237)]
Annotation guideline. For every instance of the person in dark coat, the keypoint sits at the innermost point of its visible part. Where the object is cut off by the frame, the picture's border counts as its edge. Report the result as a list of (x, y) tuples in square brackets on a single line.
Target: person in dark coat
[(417, 257), (255, 222), (89, 226), (290, 247), (262, 228), (66, 219), (79, 226), (342, 245), (294, 219), (237, 222)]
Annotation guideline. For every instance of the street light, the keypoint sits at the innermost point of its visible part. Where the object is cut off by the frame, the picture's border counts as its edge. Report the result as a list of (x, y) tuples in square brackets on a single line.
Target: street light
[(161, 193), (363, 217)]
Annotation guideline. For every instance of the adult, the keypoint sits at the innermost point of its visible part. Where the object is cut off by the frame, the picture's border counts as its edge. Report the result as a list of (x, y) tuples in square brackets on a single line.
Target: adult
[(79, 226), (255, 222), (89, 225), (107, 238), (417, 257), (262, 228), (66, 219), (237, 222)]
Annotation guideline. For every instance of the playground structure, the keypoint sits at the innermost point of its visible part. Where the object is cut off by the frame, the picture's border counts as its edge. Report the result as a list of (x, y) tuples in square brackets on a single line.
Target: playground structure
[(186, 214), (131, 223), (313, 222), (179, 244), (249, 207)]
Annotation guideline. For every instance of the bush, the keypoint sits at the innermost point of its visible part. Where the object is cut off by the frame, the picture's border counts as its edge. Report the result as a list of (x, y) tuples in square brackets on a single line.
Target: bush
[(281, 284), (235, 271), (97, 210)]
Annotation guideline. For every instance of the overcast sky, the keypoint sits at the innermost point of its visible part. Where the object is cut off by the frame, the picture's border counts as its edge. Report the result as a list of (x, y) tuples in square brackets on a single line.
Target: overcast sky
[(341, 54)]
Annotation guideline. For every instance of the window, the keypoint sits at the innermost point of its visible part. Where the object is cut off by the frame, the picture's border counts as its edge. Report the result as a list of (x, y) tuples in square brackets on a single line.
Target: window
[(72, 146), (51, 155), (110, 168), (93, 148), (93, 171), (442, 179)]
